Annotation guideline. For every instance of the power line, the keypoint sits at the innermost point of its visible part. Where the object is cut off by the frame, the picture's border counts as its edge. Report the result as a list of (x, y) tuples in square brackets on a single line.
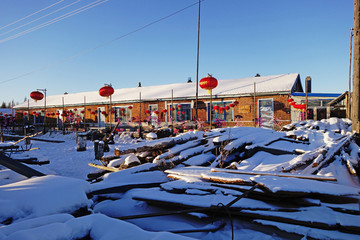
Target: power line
[(11, 30), (43, 9), (100, 45), (62, 17)]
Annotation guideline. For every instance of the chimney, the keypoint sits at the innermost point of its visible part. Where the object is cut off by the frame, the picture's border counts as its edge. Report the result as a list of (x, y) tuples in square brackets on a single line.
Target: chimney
[(139, 84), (308, 84)]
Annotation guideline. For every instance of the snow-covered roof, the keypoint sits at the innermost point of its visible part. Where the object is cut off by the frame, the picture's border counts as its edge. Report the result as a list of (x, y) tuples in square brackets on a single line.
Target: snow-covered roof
[(264, 84)]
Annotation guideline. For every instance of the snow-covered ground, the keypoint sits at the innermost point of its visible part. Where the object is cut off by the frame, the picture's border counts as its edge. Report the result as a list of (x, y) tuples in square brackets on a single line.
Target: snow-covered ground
[(203, 170)]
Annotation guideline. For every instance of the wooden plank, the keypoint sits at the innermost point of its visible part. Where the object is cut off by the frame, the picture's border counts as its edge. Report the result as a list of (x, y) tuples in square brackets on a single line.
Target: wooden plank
[(18, 167), (312, 177), (103, 167)]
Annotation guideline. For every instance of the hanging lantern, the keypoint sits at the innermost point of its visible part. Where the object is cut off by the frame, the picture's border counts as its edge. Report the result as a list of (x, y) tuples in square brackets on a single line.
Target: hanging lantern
[(62, 114), (290, 100), (156, 112), (57, 113), (221, 109), (113, 111), (52, 114), (208, 83), (292, 103), (103, 113), (122, 109), (236, 102), (48, 114), (232, 105), (216, 108), (147, 111), (36, 95), (82, 111), (227, 108), (75, 109), (93, 113), (178, 113), (24, 113), (106, 91), (130, 107), (164, 110), (34, 113), (178, 106), (183, 113), (172, 109)]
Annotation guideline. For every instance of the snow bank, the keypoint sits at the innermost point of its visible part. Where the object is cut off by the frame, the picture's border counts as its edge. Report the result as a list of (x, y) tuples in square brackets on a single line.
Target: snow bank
[(42, 196)]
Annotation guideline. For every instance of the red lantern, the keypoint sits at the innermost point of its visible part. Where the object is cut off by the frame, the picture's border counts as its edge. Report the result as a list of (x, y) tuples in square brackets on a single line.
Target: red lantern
[(93, 113), (232, 105), (106, 91), (221, 109), (75, 109), (216, 108), (292, 103), (227, 108), (147, 111), (178, 113), (208, 83), (82, 111), (24, 113), (164, 110), (52, 114), (34, 113), (36, 95), (236, 102), (57, 113), (156, 112), (290, 100), (130, 107), (103, 113), (122, 109), (113, 111), (183, 112), (172, 109), (178, 106), (48, 114)]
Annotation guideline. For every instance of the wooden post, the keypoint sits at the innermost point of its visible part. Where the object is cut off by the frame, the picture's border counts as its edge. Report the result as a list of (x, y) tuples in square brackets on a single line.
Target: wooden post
[(210, 108), (254, 104), (139, 114), (84, 117), (348, 104), (355, 108), (197, 65)]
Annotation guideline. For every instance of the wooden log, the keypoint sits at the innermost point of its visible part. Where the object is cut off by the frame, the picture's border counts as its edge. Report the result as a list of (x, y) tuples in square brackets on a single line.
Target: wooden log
[(333, 150), (18, 167), (312, 177), (103, 167)]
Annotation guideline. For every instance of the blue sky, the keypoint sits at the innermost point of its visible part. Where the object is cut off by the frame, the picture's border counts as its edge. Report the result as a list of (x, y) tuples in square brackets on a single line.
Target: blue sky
[(238, 39)]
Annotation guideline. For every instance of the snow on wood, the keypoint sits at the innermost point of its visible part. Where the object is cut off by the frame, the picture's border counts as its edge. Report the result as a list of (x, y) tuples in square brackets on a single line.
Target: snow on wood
[(302, 187), (322, 178), (308, 232)]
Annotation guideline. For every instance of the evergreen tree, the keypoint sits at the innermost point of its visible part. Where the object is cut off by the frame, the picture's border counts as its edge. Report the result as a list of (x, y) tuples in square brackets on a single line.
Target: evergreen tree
[(3, 105)]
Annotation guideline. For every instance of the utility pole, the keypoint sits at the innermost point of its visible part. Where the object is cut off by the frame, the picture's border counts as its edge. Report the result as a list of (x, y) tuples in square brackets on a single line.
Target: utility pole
[(355, 109)]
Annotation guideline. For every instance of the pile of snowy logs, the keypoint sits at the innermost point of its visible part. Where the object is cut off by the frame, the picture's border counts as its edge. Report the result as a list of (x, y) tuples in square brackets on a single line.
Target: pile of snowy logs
[(302, 180)]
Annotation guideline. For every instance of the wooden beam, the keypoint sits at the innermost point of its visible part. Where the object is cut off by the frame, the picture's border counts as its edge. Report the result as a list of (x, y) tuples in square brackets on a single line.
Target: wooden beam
[(18, 167)]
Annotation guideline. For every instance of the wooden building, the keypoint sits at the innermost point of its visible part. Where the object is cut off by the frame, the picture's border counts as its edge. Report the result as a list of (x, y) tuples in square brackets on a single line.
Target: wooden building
[(262, 101)]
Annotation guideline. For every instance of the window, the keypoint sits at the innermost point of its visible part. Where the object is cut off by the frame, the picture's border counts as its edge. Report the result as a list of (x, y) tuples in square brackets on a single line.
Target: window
[(221, 114), (122, 114), (266, 113), (182, 112)]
